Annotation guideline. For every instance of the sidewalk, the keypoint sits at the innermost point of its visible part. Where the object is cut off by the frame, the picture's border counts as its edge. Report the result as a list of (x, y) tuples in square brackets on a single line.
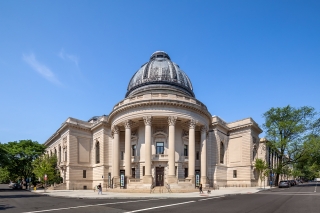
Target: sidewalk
[(89, 194)]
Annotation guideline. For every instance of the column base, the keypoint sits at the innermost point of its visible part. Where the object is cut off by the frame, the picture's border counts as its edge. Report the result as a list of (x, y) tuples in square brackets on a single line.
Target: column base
[(147, 179), (116, 182), (172, 179), (191, 179), (203, 181)]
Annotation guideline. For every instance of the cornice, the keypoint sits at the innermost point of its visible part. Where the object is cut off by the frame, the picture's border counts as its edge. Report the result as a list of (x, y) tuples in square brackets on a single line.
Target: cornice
[(64, 126), (160, 102), (100, 124)]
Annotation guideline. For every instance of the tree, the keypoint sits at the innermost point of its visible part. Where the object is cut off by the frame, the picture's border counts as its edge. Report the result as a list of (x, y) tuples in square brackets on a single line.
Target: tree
[(3, 156), (261, 167), (287, 129), (20, 156), (46, 165), (4, 175)]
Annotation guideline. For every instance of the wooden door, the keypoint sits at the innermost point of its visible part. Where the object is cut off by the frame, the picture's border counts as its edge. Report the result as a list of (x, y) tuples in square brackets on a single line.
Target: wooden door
[(159, 176)]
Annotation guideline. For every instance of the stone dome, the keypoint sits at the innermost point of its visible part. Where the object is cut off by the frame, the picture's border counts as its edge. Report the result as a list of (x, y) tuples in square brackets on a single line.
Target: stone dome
[(160, 72)]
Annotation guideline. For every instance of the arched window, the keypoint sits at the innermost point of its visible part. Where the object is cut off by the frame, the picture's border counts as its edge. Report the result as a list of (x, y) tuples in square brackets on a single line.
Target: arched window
[(221, 152), (97, 152), (55, 151)]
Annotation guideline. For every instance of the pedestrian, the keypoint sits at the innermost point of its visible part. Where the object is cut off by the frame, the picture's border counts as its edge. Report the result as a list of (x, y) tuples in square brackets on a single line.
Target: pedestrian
[(200, 188), (99, 189)]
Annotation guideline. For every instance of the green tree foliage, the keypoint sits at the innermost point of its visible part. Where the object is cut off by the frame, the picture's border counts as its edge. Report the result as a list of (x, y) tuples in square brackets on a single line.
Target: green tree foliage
[(261, 166), (287, 129), (46, 165), (4, 175), (20, 156), (3, 156), (309, 165)]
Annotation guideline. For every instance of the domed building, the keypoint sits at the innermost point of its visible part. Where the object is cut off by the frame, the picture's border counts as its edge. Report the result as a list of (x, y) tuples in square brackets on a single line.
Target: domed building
[(158, 134)]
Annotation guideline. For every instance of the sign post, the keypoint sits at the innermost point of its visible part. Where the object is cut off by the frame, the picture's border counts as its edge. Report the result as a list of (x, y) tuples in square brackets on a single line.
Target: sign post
[(45, 182)]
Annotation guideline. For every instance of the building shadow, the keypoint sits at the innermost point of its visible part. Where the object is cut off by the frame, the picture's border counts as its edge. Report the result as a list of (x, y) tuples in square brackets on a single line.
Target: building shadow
[(5, 207)]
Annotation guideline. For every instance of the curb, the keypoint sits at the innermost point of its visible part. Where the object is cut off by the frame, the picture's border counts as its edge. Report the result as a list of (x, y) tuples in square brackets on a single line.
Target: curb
[(166, 197)]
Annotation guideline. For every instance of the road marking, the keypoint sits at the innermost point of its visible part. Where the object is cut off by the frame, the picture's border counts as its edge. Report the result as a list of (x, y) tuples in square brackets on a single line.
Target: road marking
[(76, 207), (210, 198), (158, 207)]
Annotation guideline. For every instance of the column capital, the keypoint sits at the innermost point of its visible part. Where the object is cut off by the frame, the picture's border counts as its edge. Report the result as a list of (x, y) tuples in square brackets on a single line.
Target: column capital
[(147, 120), (128, 124), (115, 129), (172, 120), (204, 128), (192, 124)]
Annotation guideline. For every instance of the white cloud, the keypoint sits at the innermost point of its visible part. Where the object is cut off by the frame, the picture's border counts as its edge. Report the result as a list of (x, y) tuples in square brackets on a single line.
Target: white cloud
[(74, 59), (40, 68)]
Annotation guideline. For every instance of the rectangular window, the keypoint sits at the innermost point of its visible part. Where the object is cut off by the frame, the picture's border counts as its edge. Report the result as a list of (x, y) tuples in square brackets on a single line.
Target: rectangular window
[(122, 155), (159, 148), (134, 147), (84, 174), (197, 155), (133, 172), (175, 171), (234, 173), (65, 156), (143, 171), (185, 172), (185, 150)]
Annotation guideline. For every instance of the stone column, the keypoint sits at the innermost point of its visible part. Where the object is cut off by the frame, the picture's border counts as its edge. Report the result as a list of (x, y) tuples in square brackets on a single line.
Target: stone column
[(127, 151), (204, 155), (171, 176), (147, 178), (192, 150), (116, 163)]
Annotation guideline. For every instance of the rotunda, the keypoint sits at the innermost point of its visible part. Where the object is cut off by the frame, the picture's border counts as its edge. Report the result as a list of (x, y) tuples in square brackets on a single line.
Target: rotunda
[(159, 134)]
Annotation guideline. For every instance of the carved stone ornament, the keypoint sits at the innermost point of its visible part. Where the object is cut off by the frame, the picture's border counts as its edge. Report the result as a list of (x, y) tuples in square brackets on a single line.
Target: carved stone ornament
[(64, 145), (115, 130), (128, 124), (172, 120), (185, 133), (204, 128), (147, 120), (192, 124)]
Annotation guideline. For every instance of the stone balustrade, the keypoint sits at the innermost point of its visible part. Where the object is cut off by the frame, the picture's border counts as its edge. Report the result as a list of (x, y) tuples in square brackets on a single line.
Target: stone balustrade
[(159, 96)]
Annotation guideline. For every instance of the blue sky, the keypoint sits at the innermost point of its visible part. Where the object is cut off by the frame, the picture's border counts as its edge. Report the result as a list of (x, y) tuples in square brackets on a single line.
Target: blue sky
[(61, 59)]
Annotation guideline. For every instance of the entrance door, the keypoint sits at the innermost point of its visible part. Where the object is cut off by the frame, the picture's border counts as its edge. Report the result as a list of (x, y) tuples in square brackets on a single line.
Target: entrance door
[(159, 176)]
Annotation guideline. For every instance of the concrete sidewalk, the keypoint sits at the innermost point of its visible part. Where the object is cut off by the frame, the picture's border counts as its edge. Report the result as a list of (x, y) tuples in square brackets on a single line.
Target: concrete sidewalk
[(90, 194)]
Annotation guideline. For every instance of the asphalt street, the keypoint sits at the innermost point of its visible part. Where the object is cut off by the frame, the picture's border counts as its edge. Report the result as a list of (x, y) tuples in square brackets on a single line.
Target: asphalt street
[(302, 198)]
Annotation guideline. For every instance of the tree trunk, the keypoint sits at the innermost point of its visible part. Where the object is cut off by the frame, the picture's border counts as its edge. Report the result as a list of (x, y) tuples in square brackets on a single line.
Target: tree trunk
[(276, 180)]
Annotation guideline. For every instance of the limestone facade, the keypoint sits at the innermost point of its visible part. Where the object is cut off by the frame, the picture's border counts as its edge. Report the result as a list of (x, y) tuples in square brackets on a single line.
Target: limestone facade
[(160, 133)]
